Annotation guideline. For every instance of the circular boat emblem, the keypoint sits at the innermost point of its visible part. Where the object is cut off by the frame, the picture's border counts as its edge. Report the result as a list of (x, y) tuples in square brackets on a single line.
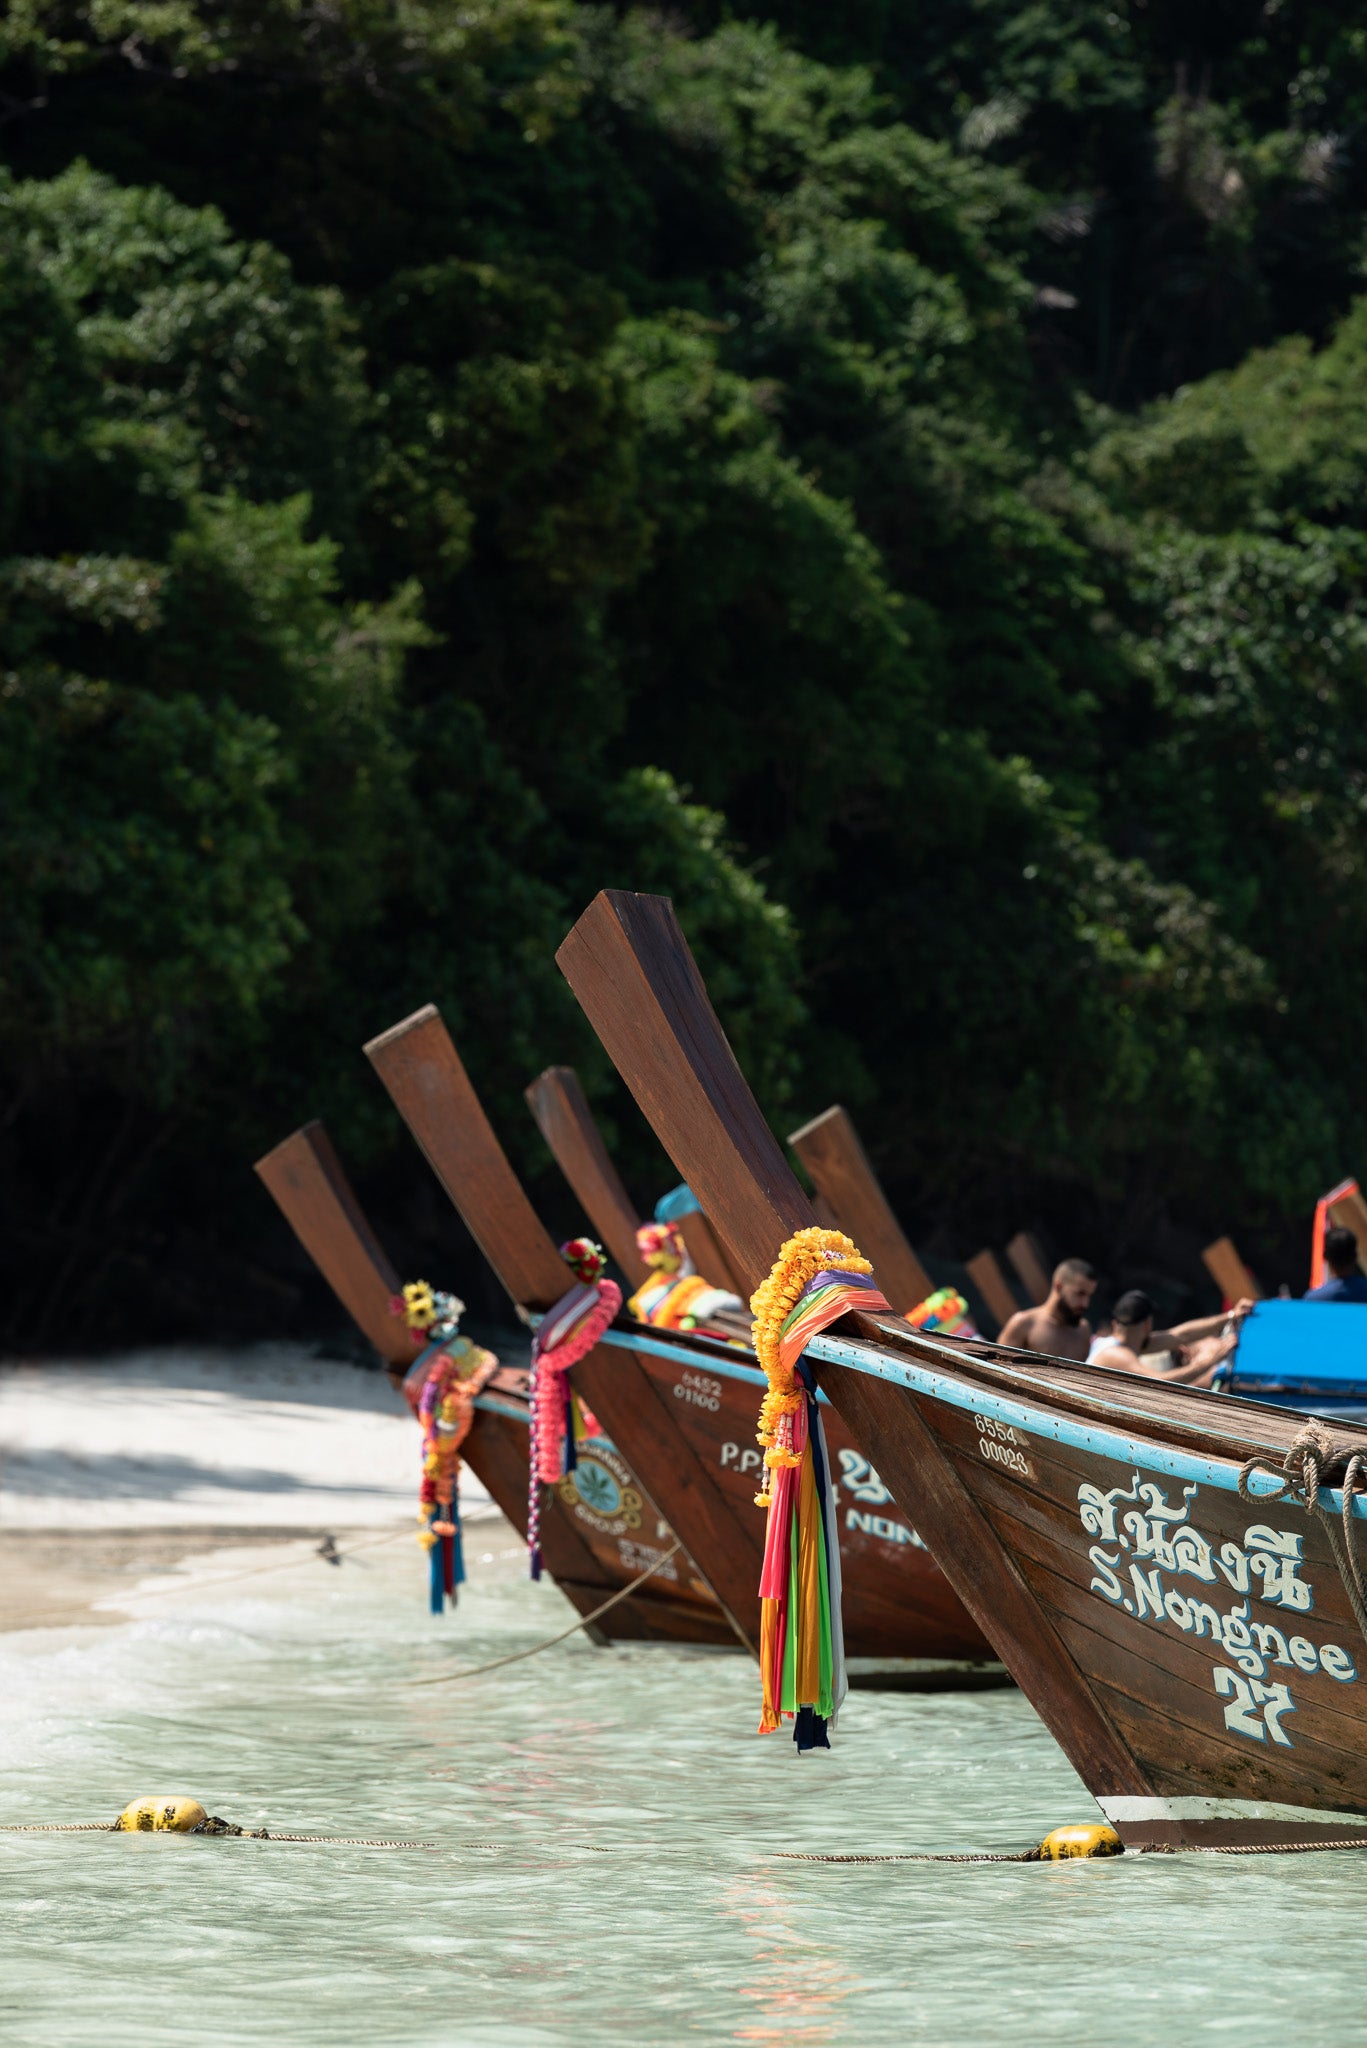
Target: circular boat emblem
[(600, 1490), (597, 1487)]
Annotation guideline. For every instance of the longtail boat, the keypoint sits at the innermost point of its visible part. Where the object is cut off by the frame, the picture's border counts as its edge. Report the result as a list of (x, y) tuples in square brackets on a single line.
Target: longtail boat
[(681, 1409), (1158, 1566), (594, 1540), (715, 1405)]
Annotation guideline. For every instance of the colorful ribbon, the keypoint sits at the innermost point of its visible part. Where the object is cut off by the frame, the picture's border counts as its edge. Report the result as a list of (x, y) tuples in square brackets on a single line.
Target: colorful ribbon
[(440, 1387), (945, 1310), (674, 1295), (817, 1277)]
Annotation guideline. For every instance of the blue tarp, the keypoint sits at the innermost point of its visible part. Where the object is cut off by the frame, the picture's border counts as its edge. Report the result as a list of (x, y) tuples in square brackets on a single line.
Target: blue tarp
[(1302, 1347)]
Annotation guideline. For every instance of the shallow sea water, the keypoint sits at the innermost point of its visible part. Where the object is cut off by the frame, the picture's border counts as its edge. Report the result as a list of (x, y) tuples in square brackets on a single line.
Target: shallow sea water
[(604, 1825)]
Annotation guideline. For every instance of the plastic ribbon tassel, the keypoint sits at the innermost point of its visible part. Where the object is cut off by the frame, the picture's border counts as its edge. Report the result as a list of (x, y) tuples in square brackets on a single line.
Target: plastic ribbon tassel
[(565, 1334), (674, 1295), (944, 1310), (440, 1387), (818, 1277)]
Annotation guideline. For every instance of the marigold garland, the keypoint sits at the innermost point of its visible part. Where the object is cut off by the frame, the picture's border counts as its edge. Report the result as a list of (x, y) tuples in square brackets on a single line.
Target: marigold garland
[(805, 1255), (440, 1387), (818, 1276), (674, 1295)]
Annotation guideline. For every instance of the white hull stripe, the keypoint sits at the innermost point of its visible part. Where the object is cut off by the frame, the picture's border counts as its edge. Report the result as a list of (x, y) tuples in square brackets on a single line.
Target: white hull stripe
[(1118, 1810)]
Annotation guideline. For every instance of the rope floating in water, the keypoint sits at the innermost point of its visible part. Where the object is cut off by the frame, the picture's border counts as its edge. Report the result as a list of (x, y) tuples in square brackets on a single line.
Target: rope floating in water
[(584, 1621)]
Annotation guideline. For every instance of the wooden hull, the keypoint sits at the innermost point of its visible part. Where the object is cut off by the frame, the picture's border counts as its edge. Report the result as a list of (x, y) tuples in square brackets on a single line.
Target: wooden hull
[(694, 1432), (598, 1532), (691, 1423), (589, 1550), (1195, 1654), (899, 1603)]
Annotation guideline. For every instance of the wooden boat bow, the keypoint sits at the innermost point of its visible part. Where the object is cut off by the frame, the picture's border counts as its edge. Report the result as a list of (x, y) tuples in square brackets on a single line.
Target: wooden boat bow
[(1043, 1487)]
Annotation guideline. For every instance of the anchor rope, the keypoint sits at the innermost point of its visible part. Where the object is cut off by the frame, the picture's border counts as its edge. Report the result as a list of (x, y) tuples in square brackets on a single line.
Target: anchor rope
[(99, 1827), (584, 1621), (104, 1827), (1300, 1476)]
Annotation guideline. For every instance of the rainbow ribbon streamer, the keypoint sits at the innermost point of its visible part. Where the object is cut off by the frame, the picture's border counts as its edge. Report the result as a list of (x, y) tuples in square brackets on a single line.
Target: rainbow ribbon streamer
[(945, 1310), (802, 1636)]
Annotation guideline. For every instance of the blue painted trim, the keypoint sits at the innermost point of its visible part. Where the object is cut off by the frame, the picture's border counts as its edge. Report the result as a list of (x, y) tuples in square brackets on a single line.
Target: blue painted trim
[(687, 1351), (691, 1350), (923, 1379), (502, 1404), (1063, 1429)]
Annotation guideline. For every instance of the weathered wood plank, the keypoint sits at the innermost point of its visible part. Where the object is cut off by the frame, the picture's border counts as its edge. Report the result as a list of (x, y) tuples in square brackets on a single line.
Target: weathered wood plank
[(431, 1090), (830, 1149), (425, 1076), (990, 1281), (1030, 1269), (1229, 1272), (708, 1253), (558, 1102), (311, 1188)]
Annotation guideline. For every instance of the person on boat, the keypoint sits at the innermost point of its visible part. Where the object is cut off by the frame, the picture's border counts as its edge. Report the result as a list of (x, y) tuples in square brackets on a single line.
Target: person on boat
[(1058, 1326), (1346, 1281), (1197, 1347)]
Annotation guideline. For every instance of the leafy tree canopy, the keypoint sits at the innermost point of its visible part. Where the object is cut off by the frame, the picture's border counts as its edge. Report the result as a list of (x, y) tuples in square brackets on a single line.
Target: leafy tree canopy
[(889, 479)]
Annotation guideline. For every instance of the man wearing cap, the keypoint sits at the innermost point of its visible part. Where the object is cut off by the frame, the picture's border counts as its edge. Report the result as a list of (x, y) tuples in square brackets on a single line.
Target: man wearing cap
[(1131, 1343)]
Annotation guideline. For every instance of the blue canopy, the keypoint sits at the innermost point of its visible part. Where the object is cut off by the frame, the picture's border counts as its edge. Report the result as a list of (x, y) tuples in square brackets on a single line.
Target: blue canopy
[(1302, 1348), (680, 1201)]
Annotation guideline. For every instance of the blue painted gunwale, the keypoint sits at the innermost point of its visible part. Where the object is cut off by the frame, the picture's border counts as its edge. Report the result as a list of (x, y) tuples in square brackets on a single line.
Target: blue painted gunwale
[(923, 1379), (1062, 1428)]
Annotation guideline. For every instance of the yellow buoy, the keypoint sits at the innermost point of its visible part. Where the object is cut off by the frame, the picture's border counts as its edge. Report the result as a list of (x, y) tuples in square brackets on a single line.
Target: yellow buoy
[(1095, 1839), (173, 1814)]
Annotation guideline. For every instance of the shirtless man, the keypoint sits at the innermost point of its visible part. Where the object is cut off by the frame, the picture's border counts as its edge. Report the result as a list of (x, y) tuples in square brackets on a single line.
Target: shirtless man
[(1198, 1346), (1059, 1326)]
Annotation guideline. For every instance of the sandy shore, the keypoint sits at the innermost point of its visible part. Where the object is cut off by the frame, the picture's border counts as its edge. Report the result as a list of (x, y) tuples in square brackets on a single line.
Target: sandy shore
[(188, 1462)]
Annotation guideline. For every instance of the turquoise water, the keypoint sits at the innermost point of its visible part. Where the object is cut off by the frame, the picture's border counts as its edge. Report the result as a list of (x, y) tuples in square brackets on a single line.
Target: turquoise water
[(631, 1893)]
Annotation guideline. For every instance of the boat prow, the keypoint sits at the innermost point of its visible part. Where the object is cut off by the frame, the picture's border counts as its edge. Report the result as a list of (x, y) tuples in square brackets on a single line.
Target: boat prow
[(1186, 1636)]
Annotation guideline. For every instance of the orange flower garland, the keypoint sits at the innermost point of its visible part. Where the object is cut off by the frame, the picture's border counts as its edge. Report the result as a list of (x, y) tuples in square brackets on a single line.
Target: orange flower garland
[(806, 1254), (818, 1277)]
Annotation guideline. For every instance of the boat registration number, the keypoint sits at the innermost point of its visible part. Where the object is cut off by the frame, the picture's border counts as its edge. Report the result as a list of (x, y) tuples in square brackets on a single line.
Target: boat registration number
[(1001, 1445)]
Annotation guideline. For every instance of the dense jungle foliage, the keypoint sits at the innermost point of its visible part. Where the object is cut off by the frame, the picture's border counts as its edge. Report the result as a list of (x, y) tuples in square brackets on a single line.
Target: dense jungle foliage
[(891, 476)]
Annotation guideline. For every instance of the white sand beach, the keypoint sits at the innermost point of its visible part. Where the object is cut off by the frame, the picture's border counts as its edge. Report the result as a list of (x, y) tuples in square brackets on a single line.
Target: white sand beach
[(113, 1469)]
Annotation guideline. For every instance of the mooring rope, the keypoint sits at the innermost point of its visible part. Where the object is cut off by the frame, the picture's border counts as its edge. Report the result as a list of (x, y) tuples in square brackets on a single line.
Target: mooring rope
[(104, 1827), (584, 1621), (916, 1856), (1033, 1855), (1300, 1476)]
